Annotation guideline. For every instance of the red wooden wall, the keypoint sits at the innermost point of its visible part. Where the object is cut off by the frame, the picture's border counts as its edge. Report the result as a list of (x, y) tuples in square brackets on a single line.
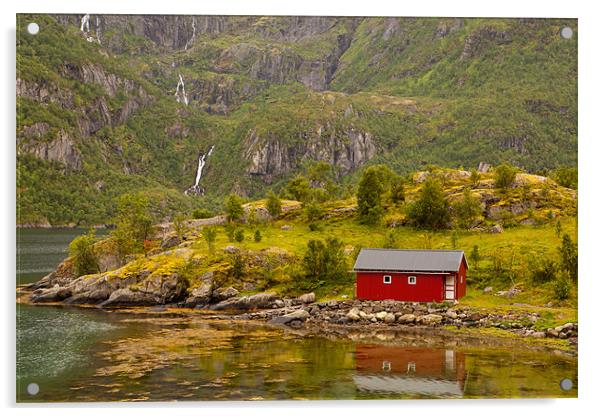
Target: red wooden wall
[(428, 287)]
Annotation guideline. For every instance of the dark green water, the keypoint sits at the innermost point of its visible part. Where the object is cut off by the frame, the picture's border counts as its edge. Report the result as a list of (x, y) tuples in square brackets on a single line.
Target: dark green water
[(77, 354)]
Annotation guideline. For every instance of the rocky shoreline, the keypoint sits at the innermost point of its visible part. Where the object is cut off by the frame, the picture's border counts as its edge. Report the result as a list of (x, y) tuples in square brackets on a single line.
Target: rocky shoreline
[(304, 311)]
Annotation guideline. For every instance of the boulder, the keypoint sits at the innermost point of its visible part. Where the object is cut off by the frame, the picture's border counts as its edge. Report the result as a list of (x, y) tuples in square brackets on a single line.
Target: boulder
[(257, 301), (298, 315), (431, 319), (286, 227), (354, 314), (389, 318), (54, 294), (170, 241), (307, 298), (222, 293), (231, 249), (488, 289), (381, 315), (451, 314), (128, 297), (407, 318), (496, 229), (201, 295)]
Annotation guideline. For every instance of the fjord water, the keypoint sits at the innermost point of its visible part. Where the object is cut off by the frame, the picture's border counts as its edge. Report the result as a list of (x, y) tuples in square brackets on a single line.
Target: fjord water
[(85, 354)]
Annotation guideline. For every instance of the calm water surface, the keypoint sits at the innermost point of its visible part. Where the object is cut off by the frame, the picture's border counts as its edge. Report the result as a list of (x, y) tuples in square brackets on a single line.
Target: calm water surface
[(79, 354)]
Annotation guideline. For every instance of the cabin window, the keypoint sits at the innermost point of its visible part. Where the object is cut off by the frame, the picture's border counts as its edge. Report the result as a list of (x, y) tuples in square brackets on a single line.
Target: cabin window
[(387, 280), (411, 280)]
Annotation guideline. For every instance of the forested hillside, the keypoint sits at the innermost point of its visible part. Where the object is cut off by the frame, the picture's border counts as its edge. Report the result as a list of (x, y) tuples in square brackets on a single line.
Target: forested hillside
[(108, 104)]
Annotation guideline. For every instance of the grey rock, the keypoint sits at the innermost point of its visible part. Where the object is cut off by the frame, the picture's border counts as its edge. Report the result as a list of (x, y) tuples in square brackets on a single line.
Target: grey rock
[(299, 315), (488, 289), (354, 314), (307, 298), (231, 249), (257, 301), (222, 293), (407, 318), (431, 319)]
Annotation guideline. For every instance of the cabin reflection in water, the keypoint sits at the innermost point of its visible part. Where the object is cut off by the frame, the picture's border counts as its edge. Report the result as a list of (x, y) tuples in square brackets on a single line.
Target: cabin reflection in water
[(414, 371)]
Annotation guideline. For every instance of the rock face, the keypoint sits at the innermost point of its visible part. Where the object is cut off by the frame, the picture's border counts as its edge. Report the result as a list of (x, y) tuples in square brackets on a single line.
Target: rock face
[(271, 156)]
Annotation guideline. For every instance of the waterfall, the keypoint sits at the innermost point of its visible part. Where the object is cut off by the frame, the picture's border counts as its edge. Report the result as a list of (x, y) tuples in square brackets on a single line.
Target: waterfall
[(189, 42), (85, 28), (180, 94), (196, 189)]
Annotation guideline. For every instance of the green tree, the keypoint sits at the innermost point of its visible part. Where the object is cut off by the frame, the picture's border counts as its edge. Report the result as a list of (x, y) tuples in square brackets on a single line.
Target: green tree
[(209, 234), (230, 229), (313, 211), (298, 188), (475, 256), (475, 177), (179, 225), (467, 209), (234, 209), (454, 239), (85, 259), (239, 235), (257, 237), (372, 186), (324, 262), (397, 190), (504, 176), (431, 210), (566, 176), (562, 286), (134, 224), (568, 257), (273, 204), (390, 240)]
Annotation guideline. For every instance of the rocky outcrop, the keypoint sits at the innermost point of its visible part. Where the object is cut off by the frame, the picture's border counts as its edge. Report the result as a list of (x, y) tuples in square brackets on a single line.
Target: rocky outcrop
[(62, 149), (481, 38), (272, 156)]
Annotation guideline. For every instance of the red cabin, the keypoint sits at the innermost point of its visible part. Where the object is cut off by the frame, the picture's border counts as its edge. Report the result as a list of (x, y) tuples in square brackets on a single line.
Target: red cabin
[(410, 275)]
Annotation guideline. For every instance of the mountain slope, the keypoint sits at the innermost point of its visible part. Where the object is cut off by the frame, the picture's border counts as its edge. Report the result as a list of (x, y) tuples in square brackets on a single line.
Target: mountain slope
[(102, 111)]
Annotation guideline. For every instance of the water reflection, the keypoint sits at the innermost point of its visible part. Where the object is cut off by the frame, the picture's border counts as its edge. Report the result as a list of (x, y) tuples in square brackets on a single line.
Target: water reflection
[(415, 371)]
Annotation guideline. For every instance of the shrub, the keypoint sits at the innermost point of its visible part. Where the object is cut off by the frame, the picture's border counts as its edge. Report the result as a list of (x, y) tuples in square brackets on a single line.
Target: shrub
[(504, 176), (179, 225), (467, 210), (298, 188), (201, 213), (234, 209), (209, 234), (475, 177), (239, 235), (431, 209), (313, 211), (238, 265), (314, 226), (390, 240), (562, 286), (84, 255), (273, 204), (324, 262), (566, 176), (475, 256), (230, 229), (544, 272), (257, 237)]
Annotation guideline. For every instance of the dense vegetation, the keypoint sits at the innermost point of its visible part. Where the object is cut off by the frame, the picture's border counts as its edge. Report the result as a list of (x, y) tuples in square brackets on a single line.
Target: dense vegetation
[(451, 92)]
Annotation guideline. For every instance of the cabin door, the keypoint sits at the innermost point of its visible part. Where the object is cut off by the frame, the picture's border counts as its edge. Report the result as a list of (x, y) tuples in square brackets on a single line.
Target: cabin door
[(450, 287)]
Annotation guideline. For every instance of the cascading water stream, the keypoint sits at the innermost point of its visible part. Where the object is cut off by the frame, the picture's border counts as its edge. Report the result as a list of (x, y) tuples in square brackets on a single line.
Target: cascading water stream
[(196, 189), (180, 94)]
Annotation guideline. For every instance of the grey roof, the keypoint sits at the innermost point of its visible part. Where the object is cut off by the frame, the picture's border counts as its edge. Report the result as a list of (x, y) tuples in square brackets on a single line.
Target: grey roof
[(409, 260)]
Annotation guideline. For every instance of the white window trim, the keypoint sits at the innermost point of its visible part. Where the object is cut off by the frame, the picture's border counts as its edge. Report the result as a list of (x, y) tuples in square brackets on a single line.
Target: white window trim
[(385, 279), (410, 278)]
